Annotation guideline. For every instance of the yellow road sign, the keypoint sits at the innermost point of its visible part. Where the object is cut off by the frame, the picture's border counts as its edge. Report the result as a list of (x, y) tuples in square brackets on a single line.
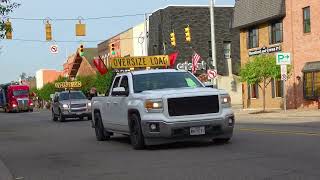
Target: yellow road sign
[(62, 85), (138, 62)]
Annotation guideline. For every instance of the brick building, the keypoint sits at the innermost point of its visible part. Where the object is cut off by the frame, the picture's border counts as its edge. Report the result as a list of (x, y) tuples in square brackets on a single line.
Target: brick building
[(45, 76), (175, 18), (80, 66), (270, 26)]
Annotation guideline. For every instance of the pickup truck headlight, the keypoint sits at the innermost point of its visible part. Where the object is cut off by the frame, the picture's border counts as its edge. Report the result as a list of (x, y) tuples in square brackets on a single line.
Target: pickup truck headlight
[(154, 105), (225, 101), (89, 104)]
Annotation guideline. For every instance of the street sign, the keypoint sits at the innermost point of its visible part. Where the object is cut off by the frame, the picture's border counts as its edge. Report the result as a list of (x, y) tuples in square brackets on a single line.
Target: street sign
[(54, 49), (138, 62), (283, 58), (212, 74), (62, 85), (284, 77), (284, 69)]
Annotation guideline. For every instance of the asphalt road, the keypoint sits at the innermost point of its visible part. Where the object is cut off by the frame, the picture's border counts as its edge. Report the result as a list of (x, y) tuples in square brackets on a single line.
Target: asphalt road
[(35, 148)]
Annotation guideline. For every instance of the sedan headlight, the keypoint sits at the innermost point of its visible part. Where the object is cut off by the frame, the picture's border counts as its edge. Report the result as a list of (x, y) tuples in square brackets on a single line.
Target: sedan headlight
[(65, 106), (225, 100), (154, 105)]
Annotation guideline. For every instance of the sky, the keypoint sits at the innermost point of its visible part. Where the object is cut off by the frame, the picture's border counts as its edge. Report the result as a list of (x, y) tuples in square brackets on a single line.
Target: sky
[(20, 56)]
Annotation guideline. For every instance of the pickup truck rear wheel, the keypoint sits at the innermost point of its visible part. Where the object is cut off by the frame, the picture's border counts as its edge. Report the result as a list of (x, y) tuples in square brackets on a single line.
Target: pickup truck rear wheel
[(136, 136), (101, 133)]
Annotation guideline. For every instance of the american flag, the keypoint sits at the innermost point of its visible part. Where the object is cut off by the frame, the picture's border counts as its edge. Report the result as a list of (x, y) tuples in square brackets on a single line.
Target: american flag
[(195, 59)]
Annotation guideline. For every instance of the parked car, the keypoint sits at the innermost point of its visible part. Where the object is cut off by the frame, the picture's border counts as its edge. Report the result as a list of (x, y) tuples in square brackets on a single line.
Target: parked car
[(70, 104)]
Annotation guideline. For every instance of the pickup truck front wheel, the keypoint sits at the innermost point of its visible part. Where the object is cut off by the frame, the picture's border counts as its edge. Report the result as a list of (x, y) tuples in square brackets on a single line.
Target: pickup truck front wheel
[(101, 133), (136, 136)]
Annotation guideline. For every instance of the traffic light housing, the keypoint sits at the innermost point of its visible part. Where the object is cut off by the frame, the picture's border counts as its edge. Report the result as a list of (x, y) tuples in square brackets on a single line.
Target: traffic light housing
[(173, 39), (48, 32), (8, 29), (113, 52), (187, 33), (80, 29), (81, 50)]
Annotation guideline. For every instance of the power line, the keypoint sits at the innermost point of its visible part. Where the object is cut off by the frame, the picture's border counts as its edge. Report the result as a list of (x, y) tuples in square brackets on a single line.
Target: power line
[(79, 18), (66, 41)]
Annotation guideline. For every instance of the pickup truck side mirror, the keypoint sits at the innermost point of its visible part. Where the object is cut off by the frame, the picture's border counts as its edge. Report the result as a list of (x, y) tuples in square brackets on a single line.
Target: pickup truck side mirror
[(120, 91)]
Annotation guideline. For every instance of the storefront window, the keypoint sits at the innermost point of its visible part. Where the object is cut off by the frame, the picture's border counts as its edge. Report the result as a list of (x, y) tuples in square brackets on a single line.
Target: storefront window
[(277, 88), (311, 85), (276, 33), (253, 91), (253, 38)]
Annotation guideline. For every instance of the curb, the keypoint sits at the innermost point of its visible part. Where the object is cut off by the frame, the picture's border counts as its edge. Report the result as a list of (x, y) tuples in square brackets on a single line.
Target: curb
[(4, 172)]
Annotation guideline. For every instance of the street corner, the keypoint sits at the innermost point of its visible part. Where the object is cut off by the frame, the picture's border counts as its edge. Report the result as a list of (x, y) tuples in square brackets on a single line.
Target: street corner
[(5, 173)]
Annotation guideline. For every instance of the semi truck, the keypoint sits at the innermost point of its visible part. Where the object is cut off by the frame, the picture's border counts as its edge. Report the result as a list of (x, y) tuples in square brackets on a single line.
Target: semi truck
[(15, 98)]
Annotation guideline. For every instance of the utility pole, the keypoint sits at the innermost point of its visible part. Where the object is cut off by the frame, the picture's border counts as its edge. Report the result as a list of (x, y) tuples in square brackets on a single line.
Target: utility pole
[(213, 39), (146, 34)]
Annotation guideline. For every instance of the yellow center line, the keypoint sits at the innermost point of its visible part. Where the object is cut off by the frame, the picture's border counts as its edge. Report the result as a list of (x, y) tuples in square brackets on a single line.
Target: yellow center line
[(273, 131)]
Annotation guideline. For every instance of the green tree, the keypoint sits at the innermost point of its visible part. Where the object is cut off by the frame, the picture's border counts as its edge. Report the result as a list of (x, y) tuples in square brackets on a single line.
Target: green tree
[(6, 7), (45, 91), (103, 82), (87, 83), (261, 70)]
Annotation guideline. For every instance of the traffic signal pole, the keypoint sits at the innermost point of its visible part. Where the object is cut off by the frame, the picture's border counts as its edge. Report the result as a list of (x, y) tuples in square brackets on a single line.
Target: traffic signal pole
[(213, 40)]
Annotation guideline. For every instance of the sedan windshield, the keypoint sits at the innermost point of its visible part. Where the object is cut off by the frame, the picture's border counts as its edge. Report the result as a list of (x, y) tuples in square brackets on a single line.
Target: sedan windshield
[(154, 81), (21, 93), (73, 95)]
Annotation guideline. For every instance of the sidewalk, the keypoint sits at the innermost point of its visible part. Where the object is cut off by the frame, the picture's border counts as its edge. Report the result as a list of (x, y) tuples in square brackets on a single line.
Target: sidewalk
[(4, 172), (278, 116)]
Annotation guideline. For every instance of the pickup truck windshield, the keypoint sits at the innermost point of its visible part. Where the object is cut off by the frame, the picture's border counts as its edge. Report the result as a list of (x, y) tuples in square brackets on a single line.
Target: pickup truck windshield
[(73, 95), (154, 81), (21, 93)]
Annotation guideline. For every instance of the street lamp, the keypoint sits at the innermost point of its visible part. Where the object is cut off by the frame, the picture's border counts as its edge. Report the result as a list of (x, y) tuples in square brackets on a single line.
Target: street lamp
[(213, 39)]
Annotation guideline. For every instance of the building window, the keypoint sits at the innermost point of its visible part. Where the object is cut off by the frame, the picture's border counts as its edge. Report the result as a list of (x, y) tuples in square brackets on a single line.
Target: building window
[(253, 38), (306, 20), (227, 50), (276, 33), (253, 91), (277, 88), (311, 85)]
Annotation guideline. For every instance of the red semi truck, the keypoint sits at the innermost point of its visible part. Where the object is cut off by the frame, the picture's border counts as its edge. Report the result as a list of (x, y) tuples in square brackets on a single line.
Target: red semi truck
[(15, 98)]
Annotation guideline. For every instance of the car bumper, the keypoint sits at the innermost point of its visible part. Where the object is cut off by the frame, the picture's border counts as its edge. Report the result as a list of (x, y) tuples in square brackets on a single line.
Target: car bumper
[(70, 114), (219, 127)]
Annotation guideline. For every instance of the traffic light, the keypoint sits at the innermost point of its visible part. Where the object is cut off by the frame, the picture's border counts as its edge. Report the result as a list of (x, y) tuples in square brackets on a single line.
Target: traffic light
[(48, 31), (173, 39), (81, 50), (8, 29), (113, 52), (187, 33)]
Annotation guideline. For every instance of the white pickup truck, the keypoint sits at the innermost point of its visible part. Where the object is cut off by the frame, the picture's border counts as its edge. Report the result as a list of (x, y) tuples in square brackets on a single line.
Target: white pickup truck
[(162, 106)]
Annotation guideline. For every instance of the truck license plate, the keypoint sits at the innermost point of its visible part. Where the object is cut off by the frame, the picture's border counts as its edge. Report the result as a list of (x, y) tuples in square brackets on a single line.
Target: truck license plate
[(197, 130)]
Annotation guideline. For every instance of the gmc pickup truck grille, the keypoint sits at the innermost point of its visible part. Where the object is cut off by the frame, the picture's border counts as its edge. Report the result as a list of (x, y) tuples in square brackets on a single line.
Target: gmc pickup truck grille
[(193, 105)]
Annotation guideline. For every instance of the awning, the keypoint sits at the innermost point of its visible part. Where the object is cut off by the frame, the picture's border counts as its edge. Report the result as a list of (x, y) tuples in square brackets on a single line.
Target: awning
[(311, 66)]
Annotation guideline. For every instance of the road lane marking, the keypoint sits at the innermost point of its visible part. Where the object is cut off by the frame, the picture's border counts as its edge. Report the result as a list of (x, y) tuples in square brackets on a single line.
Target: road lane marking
[(273, 131)]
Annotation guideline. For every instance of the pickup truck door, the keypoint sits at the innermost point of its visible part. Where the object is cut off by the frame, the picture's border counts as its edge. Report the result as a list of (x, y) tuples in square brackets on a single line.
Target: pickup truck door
[(108, 116), (118, 108)]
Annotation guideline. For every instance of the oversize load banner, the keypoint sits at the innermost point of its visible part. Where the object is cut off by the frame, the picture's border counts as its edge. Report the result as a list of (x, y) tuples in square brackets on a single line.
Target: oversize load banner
[(137, 62), (61, 85)]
